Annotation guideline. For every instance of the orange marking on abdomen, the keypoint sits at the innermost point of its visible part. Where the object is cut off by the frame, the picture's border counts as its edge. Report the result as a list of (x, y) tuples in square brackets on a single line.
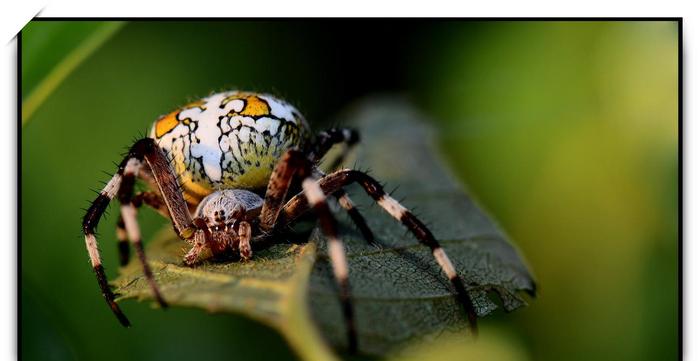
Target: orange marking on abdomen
[(255, 107), (167, 123)]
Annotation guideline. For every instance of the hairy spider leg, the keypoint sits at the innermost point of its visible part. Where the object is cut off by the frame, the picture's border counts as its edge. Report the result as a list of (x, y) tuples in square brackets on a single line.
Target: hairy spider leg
[(294, 164), (355, 215), (336, 251), (324, 141), (244, 236), (122, 242), (282, 175), (151, 199), (124, 194), (277, 188), (128, 218), (144, 149), (134, 169), (298, 205), (128, 227), (349, 206), (327, 138)]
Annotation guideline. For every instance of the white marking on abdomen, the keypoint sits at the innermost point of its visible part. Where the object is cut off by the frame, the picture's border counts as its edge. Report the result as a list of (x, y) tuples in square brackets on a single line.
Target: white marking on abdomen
[(269, 124), (208, 134)]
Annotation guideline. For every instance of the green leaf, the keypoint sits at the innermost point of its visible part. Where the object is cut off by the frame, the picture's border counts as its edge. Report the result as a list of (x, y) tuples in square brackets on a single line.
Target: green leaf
[(50, 53), (398, 290)]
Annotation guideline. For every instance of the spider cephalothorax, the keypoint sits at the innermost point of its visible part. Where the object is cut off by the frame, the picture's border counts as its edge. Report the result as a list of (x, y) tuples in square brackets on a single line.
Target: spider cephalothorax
[(225, 215), (220, 169)]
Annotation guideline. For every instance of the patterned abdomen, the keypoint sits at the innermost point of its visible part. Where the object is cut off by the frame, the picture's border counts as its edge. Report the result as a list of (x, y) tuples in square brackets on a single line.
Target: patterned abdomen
[(229, 140)]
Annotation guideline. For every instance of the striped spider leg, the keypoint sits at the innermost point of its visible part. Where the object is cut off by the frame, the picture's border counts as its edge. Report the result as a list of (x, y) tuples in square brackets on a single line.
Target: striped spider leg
[(281, 179), (300, 204), (149, 198), (294, 164), (152, 198), (324, 141), (122, 184), (313, 197)]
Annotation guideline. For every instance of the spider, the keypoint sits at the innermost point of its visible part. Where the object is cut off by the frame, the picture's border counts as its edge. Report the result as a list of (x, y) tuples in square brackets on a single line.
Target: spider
[(221, 169)]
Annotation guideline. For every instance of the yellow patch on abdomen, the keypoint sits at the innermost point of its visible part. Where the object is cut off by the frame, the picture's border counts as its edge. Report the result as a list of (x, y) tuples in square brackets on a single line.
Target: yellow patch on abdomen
[(255, 177), (255, 107), (167, 123)]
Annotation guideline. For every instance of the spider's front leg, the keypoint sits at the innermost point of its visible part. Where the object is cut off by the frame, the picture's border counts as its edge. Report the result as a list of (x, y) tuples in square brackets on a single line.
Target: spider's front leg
[(282, 176), (122, 183), (295, 164), (336, 251), (200, 239), (151, 199), (244, 237), (300, 204), (327, 138), (323, 143), (204, 239)]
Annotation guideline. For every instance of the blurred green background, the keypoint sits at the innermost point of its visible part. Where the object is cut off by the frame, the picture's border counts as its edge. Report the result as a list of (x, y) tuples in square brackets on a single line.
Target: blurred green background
[(565, 132)]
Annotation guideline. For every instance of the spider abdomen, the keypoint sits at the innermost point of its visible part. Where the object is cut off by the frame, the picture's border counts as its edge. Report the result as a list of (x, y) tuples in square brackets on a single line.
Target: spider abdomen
[(229, 140)]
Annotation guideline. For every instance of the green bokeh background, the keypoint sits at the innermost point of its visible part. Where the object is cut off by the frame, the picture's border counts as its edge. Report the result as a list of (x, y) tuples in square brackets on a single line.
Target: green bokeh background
[(566, 133)]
